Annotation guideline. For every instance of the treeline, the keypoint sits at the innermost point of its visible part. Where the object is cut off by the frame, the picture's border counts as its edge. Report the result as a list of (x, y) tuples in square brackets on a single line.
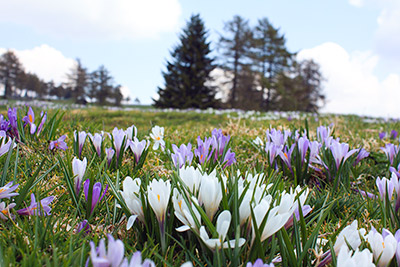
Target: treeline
[(82, 86), (259, 73)]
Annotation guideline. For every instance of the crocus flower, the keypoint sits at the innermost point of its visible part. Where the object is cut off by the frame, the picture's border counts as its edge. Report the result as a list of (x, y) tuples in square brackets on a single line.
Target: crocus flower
[(203, 149), (100, 257), (12, 117), (385, 188), (96, 139), (350, 235), (119, 139), (323, 134), (182, 212), (219, 141), (397, 237), (157, 134), (132, 196), (159, 192), (59, 143), (4, 124), (362, 153), (222, 227), (303, 143), (393, 134), (79, 169), (40, 127), (382, 135), (391, 152), (7, 190), (136, 261), (83, 226), (40, 208), (29, 119), (306, 209), (80, 138), (109, 154), (383, 246), (363, 258), (131, 132), (137, 148), (286, 156), (96, 198), (191, 177), (182, 155), (259, 263), (340, 152), (5, 211), (5, 146), (210, 194), (272, 151), (229, 159)]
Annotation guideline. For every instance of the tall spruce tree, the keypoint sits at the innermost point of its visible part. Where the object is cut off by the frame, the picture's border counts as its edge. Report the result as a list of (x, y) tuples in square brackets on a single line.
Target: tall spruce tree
[(78, 82), (188, 73), (11, 72), (235, 46), (270, 58)]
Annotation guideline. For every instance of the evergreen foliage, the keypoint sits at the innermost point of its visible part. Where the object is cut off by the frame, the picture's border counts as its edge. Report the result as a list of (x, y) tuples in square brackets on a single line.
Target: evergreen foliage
[(187, 78), (10, 72)]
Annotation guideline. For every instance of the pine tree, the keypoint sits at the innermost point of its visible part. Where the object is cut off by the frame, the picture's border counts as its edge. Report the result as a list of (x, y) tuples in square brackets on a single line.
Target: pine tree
[(188, 73), (78, 82), (11, 71), (235, 46), (270, 57)]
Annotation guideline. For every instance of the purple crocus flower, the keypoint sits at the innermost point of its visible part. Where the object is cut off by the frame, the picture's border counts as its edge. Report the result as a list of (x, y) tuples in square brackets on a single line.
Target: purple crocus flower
[(5, 211), (4, 124), (259, 263), (182, 155), (84, 225), (109, 154), (277, 137), (4, 147), (42, 209), (303, 143), (118, 137), (96, 198), (324, 135), (306, 209), (12, 117), (391, 152), (59, 143), (382, 135), (219, 141), (393, 134), (29, 119), (7, 190), (136, 260), (340, 152), (397, 237), (385, 187), (272, 151), (97, 139), (113, 257), (203, 149), (229, 159), (40, 127), (80, 137), (286, 156), (137, 148), (362, 153)]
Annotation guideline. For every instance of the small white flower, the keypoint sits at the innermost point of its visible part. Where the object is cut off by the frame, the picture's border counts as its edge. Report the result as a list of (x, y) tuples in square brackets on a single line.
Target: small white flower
[(183, 213), (131, 195), (157, 134), (79, 169), (383, 246), (350, 235), (363, 258), (191, 177), (210, 194), (158, 193)]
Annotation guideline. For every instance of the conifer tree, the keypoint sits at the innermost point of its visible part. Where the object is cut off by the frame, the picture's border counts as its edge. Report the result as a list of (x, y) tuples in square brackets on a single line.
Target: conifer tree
[(187, 78), (11, 71)]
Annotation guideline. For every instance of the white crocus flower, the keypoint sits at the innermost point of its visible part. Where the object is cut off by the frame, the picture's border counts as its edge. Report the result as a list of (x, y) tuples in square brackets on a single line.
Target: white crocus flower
[(183, 213), (210, 194), (277, 218), (96, 139), (350, 235), (158, 192), (131, 132), (383, 246), (222, 227), (191, 177), (157, 134), (346, 259), (79, 169), (132, 197)]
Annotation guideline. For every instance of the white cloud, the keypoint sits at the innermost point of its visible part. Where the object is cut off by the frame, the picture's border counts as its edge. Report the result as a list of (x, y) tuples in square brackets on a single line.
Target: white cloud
[(351, 86), (105, 19), (356, 3)]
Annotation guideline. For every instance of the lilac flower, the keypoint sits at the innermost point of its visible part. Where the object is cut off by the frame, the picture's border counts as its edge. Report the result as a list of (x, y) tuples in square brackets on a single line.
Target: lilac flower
[(259, 263), (219, 141), (137, 148), (40, 127), (5, 211), (79, 169), (59, 143), (314, 152), (182, 155), (7, 190), (229, 159), (303, 143), (12, 117), (385, 188), (80, 137), (272, 151), (324, 135), (391, 152), (29, 119), (306, 209), (203, 149), (118, 138), (109, 154), (96, 191), (42, 209), (382, 135), (136, 260), (97, 139), (5, 147), (393, 134), (397, 237), (340, 152), (84, 225), (362, 153), (277, 137), (287, 156), (131, 132)]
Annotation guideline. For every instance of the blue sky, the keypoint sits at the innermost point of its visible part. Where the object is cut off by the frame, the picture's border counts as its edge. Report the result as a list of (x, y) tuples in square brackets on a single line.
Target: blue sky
[(356, 42)]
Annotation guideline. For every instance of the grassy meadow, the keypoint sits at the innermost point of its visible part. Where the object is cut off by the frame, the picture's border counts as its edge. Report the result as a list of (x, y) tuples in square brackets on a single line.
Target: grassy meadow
[(280, 189)]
